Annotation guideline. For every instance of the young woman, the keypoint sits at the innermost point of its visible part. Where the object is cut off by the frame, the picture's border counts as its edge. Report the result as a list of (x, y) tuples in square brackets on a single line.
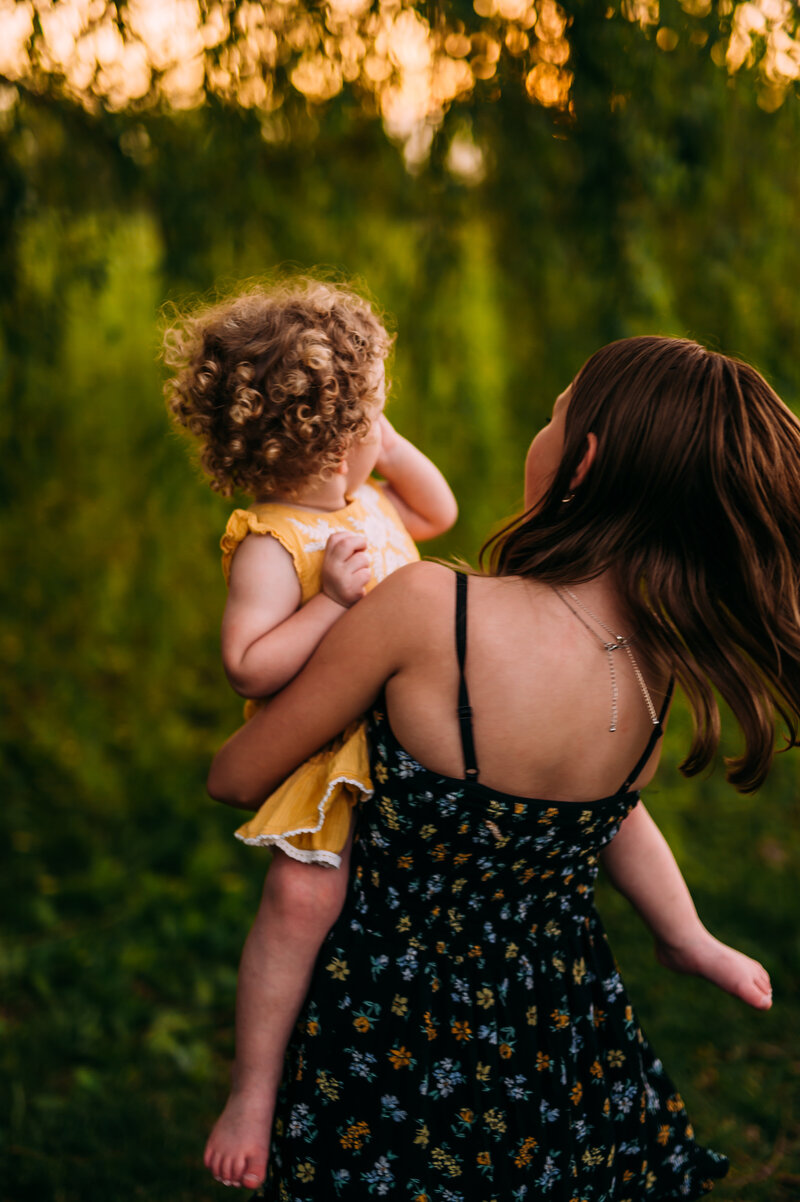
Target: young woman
[(464, 1034)]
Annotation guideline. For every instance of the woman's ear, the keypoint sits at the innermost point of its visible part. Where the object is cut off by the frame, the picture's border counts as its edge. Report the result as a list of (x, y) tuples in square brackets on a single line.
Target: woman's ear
[(585, 464)]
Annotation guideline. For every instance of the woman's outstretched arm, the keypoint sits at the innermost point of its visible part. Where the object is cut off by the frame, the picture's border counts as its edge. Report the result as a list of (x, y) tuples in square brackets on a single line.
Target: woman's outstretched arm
[(641, 866)]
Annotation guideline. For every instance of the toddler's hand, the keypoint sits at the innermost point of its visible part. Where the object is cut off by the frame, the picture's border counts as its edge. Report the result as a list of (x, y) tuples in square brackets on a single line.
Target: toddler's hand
[(389, 441), (345, 568)]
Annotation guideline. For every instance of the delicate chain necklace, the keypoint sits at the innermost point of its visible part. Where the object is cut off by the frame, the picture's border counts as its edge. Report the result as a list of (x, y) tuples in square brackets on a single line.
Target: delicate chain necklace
[(620, 641)]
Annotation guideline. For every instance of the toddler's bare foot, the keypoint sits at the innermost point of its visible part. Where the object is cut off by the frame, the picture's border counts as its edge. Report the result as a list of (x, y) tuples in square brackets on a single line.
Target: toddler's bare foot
[(732, 971), (238, 1146)]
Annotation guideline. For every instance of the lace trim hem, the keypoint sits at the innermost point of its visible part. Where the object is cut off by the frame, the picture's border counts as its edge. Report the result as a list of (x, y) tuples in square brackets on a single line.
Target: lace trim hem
[(308, 855)]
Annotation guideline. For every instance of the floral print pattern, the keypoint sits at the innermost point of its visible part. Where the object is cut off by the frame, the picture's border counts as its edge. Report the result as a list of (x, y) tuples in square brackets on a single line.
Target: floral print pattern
[(467, 1037)]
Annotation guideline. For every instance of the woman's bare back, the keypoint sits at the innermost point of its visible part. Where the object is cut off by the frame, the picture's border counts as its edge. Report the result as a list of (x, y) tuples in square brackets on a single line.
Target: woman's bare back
[(539, 684)]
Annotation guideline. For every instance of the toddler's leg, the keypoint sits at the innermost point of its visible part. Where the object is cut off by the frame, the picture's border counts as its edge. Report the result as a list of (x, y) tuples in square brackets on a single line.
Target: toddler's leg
[(640, 864), (298, 907), (704, 956)]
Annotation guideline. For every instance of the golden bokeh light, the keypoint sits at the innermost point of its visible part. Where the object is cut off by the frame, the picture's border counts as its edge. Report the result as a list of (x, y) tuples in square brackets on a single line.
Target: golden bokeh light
[(666, 38), (145, 53), (410, 62)]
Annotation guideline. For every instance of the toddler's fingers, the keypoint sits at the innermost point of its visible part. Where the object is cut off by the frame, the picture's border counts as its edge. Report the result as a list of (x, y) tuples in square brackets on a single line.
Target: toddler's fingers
[(355, 543), (345, 536), (335, 540), (358, 562), (342, 544)]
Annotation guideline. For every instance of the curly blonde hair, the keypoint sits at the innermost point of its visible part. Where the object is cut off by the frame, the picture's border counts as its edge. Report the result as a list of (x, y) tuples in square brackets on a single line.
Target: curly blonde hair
[(275, 383)]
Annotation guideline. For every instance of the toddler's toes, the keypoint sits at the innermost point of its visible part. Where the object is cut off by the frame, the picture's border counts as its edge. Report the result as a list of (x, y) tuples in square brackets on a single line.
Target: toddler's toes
[(237, 1149), (240, 1169), (765, 988), (760, 1000), (755, 991), (255, 1172)]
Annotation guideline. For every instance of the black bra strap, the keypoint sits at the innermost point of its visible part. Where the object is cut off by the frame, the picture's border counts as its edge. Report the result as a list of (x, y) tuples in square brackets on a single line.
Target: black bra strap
[(464, 707), (655, 735)]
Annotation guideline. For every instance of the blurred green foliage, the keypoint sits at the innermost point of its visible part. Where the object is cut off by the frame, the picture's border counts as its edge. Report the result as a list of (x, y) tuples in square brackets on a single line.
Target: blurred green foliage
[(125, 899)]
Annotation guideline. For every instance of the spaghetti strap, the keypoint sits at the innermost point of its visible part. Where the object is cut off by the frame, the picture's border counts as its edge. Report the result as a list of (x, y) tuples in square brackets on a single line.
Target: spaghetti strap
[(655, 735), (464, 707)]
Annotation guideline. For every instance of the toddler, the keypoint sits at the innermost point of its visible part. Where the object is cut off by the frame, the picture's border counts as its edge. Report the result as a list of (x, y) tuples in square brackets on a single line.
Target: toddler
[(285, 388)]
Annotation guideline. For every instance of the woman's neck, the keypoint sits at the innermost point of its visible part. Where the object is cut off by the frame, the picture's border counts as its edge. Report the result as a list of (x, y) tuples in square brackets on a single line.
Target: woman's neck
[(603, 596)]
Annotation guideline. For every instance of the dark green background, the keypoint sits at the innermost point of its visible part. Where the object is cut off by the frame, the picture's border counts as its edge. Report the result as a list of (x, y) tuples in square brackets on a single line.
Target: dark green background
[(125, 899)]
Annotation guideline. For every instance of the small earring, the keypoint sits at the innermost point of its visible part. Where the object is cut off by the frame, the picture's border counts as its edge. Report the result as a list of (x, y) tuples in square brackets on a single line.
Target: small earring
[(569, 497)]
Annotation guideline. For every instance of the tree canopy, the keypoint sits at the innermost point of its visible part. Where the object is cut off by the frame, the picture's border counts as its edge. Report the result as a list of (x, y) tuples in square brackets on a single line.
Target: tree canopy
[(407, 62)]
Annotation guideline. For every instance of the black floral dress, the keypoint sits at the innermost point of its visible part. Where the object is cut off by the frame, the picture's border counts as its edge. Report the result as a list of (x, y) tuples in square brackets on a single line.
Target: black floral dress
[(466, 1036)]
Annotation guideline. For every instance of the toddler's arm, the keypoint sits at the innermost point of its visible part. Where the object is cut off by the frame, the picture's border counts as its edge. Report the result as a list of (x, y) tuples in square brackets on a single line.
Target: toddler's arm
[(266, 636), (415, 486), (642, 867)]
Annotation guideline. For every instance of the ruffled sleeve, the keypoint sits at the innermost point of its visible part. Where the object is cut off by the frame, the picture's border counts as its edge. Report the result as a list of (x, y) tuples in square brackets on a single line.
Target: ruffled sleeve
[(246, 521)]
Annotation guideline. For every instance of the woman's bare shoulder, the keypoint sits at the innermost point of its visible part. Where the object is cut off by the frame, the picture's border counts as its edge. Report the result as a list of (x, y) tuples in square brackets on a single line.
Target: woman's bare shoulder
[(418, 583), (425, 575), (412, 602)]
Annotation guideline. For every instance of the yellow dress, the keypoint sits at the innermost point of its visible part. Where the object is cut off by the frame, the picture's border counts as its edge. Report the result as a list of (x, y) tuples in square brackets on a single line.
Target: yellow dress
[(308, 816)]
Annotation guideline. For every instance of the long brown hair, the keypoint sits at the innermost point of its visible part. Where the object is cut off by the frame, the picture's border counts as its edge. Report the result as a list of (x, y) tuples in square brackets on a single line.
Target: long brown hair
[(694, 499)]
